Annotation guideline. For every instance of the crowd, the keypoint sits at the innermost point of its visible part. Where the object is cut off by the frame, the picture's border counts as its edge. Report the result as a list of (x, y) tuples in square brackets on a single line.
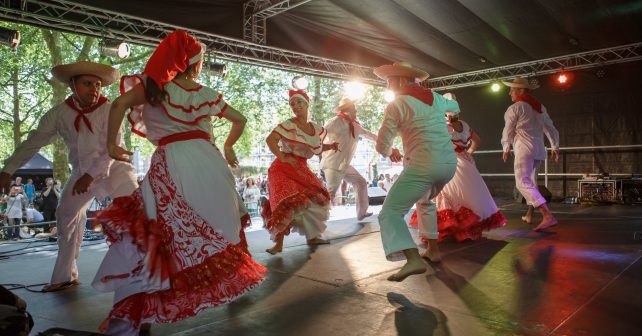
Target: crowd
[(24, 204), (176, 239)]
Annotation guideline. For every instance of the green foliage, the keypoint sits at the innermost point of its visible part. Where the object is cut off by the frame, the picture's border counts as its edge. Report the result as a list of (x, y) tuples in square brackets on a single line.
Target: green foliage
[(261, 94)]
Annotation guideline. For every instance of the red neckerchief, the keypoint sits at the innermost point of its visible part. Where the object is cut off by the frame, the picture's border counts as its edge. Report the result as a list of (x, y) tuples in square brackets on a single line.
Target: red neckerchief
[(351, 122), (530, 100), (81, 112), (416, 91)]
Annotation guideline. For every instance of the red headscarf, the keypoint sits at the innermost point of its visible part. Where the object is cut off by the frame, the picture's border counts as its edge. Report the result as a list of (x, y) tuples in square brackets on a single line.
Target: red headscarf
[(299, 93), (173, 55)]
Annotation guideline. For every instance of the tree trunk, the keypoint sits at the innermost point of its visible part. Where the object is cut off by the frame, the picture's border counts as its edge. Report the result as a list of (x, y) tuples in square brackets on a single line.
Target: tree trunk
[(16, 110), (60, 160)]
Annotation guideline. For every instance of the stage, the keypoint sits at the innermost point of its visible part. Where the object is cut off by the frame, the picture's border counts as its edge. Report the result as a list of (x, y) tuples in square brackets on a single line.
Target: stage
[(583, 277)]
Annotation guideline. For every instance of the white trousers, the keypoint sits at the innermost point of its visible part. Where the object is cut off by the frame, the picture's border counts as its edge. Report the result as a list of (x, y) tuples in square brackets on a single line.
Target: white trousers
[(71, 216), (414, 186), (526, 170), (333, 179)]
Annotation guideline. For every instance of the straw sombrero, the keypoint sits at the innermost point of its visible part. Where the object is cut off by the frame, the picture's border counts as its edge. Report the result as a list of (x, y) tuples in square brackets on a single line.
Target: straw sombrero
[(343, 104), (401, 69), (521, 83), (106, 73)]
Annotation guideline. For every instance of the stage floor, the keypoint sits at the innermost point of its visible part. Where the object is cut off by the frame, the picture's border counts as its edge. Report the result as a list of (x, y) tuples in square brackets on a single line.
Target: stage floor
[(583, 277)]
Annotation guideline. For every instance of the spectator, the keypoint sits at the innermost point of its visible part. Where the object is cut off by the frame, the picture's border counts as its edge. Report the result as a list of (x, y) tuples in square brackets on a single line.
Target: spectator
[(15, 202), (30, 191), (251, 196), (387, 183), (50, 196)]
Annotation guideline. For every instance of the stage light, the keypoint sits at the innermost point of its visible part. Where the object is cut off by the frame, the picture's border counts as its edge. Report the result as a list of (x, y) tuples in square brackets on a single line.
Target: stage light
[(9, 37), (355, 90), (533, 81), (113, 48), (562, 78), (215, 69), (495, 87), (300, 83), (389, 96), (600, 73)]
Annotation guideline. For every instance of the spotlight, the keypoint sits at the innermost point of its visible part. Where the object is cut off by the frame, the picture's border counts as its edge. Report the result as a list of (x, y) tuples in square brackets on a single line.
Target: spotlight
[(113, 48), (562, 78), (495, 87), (533, 81), (600, 73), (355, 90), (300, 83), (215, 69), (9, 37), (389, 96)]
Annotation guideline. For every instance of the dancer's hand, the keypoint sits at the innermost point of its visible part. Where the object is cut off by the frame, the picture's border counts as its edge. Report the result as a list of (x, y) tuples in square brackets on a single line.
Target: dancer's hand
[(506, 155), (118, 153), (395, 156), (230, 156), (555, 155), (82, 184)]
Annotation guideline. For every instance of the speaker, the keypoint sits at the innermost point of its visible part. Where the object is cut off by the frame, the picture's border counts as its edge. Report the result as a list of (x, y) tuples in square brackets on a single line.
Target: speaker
[(548, 196)]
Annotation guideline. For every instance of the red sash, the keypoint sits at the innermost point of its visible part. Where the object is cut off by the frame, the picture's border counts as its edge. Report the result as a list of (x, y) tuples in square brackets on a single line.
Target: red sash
[(184, 136)]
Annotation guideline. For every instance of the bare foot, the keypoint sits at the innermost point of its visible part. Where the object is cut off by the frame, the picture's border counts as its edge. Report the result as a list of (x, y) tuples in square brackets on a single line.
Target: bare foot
[(411, 267), (318, 241), (59, 286), (274, 250), (367, 214), (432, 254), (546, 223)]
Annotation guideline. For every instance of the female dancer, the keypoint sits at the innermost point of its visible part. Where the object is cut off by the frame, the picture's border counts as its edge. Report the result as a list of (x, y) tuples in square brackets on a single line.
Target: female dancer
[(176, 243), (465, 207), (298, 199)]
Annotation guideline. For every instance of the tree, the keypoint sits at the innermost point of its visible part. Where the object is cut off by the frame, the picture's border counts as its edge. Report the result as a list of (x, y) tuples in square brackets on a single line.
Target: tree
[(23, 101)]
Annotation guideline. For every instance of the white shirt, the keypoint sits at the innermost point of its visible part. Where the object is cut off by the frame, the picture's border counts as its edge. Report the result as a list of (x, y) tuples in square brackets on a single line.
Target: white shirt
[(524, 128), (34, 216), (296, 141), (87, 150), (14, 206), (423, 131), (339, 131)]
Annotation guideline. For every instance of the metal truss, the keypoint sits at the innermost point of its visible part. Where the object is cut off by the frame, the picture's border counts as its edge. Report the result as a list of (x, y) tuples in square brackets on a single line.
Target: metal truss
[(77, 18), (256, 13), (583, 60)]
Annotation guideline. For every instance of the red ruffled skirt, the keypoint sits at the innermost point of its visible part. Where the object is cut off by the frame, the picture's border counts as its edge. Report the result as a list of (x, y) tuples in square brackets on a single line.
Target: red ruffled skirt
[(292, 190), (192, 265)]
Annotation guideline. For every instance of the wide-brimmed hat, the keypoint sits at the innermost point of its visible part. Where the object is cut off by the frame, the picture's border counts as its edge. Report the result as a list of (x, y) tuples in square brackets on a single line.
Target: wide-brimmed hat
[(401, 69), (106, 73), (521, 83), (343, 104), (451, 96)]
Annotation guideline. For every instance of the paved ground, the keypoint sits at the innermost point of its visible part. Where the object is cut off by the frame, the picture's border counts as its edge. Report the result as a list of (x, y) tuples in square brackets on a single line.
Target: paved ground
[(584, 277)]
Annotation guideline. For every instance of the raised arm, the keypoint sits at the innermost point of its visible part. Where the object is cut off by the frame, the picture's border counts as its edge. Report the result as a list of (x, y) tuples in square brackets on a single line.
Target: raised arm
[(134, 97)]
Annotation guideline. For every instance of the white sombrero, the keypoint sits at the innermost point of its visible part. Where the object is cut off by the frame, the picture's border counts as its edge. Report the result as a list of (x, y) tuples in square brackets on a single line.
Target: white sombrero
[(521, 83), (401, 69), (106, 73), (343, 104)]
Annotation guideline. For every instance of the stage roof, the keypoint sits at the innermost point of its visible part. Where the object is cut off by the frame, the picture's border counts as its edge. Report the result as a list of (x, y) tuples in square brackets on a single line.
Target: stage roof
[(445, 37)]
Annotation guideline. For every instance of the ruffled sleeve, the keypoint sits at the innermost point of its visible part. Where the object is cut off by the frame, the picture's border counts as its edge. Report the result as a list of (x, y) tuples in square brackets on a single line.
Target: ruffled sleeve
[(291, 133), (181, 105)]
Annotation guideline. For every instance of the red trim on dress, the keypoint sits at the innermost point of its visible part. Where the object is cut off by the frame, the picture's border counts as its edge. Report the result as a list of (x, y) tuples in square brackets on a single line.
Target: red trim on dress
[(186, 89), (204, 270), (184, 136), (290, 190), (463, 224)]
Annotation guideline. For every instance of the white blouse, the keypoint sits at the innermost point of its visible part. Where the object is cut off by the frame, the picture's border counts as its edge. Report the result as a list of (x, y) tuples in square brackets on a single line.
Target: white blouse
[(296, 141)]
